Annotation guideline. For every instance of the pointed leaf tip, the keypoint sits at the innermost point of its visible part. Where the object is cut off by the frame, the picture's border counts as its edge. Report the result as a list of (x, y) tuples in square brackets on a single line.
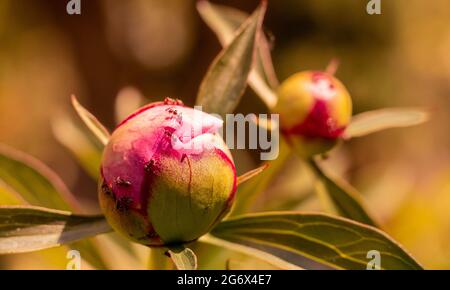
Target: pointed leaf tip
[(225, 82), (225, 21), (252, 173), (374, 121), (91, 121)]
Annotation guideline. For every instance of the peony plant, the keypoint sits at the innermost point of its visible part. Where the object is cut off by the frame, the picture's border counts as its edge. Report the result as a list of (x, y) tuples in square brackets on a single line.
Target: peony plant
[(166, 179)]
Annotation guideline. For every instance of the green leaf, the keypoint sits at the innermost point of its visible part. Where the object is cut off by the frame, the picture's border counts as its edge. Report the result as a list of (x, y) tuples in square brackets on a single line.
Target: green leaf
[(86, 152), (250, 174), (337, 242), (33, 180), (89, 250), (8, 196), (183, 258), (374, 121), (24, 176), (225, 21), (91, 122), (346, 200), (226, 79), (26, 229), (222, 244), (248, 192)]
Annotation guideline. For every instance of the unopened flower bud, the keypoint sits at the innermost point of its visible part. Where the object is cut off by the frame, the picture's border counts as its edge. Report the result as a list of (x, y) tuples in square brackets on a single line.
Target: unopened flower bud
[(167, 177), (315, 108)]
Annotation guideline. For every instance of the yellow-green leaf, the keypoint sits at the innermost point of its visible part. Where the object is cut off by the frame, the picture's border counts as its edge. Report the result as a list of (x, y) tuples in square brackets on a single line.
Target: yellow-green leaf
[(221, 244), (336, 242), (8, 196), (248, 192), (225, 21), (38, 185), (226, 79), (26, 229), (33, 180), (374, 121), (91, 122), (86, 151), (346, 200)]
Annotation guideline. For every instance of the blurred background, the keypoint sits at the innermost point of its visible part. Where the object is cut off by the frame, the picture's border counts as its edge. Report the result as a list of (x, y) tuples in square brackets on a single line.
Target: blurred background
[(159, 48)]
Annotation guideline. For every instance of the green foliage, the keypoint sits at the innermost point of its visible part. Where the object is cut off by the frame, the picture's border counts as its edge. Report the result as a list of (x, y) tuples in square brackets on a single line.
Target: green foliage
[(26, 229), (346, 200), (26, 177), (85, 150), (91, 122), (33, 180), (249, 191), (8, 196), (287, 240), (378, 120), (337, 242), (226, 79), (225, 22)]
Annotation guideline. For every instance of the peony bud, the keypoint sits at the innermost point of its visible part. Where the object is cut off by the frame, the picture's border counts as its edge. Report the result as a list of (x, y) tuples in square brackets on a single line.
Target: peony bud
[(167, 177), (315, 108)]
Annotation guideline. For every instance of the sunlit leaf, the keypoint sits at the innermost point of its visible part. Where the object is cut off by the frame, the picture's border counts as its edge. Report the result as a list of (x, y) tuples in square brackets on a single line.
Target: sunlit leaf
[(251, 174), (226, 79), (38, 185), (91, 122), (235, 264), (8, 196), (374, 121), (346, 200), (265, 256), (26, 229), (337, 242), (89, 251), (33, 180), (113, 247), (248, 192), (85, 151), (183, 258), (225, 21)]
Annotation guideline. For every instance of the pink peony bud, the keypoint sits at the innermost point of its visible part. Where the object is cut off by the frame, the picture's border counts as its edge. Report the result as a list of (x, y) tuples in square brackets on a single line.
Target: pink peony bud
[(167, 177), (315, 108)]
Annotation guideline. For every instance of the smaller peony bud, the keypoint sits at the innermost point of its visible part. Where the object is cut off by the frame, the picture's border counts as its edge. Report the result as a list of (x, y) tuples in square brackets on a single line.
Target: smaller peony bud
[(315, 108), (167, 177)]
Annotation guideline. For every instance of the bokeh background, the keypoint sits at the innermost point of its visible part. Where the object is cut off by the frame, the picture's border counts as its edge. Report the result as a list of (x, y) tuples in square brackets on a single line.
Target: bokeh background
[(158, 48)]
